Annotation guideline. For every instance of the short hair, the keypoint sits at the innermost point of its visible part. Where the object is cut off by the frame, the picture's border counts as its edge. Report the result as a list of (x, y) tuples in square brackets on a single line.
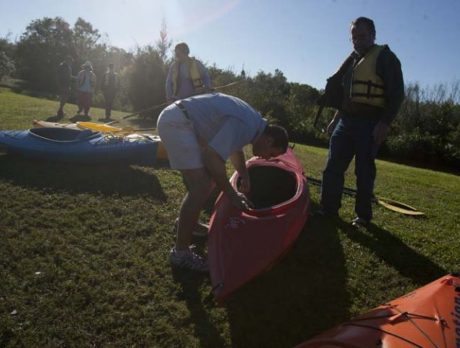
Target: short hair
[(369, 23), (279, 136), (183, 47)]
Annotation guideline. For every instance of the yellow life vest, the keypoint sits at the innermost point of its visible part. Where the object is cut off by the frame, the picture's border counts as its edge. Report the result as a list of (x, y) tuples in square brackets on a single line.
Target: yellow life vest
[(194, 73), (366, 86)]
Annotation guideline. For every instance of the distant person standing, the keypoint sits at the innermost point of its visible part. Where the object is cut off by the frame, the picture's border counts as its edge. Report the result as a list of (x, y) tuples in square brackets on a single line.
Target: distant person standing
[(373, 90), (86, 83), (187, 76), (64, 80), (109, 88)]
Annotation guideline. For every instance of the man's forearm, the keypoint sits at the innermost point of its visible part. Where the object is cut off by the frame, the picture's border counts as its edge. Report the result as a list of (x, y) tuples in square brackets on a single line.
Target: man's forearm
[(239, 162), (216, 168)]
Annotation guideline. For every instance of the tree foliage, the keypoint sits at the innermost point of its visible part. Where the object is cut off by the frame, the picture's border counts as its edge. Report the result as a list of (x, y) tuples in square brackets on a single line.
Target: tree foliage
[(427, 129)]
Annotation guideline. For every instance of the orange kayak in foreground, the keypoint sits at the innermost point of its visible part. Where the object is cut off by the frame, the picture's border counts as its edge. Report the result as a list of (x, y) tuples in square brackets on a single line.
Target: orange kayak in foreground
[(427, 317), (244, 244)]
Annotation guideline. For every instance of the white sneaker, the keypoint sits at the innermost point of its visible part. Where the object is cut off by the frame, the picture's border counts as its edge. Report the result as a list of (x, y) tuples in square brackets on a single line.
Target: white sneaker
[(188, 259)]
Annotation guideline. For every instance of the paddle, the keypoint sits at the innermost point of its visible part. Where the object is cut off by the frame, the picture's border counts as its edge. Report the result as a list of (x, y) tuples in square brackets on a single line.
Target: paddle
[(390, 204), (165, 104), (107, 128)]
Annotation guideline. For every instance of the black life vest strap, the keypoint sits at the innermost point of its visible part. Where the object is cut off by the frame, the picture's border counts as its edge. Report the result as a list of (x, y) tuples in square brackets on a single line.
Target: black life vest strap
[(369, 85)]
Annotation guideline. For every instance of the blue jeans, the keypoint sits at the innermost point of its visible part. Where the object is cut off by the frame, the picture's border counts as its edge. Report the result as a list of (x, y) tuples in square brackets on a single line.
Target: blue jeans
[(351, 137)]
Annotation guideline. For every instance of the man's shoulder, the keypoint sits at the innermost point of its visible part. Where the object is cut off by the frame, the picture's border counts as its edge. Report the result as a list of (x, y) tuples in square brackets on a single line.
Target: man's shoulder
[(387, 53)]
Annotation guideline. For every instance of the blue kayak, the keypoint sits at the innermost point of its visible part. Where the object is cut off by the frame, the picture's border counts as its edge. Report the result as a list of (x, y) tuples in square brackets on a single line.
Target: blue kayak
[(77, 146)]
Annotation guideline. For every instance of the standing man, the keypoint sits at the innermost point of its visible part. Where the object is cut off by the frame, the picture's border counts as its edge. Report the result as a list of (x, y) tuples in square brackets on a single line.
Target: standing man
[(373, 89), (86, 83), (200, 133), (64, 80), (186, 76), (109, 88)]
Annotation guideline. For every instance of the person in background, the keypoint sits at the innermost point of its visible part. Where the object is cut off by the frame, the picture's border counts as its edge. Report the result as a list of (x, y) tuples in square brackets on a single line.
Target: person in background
[(109, 88), (64, 80), (373, 89), (200, 133), (86, 83), (186, 76)]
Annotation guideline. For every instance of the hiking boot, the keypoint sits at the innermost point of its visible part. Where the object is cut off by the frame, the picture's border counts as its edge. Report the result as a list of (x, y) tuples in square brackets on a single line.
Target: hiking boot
[(200, 230), (189, 260), (360, 223)]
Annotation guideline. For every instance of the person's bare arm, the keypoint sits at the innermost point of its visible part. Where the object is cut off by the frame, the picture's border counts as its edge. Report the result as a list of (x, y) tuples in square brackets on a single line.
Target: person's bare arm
[(216, 168), (239, 162)]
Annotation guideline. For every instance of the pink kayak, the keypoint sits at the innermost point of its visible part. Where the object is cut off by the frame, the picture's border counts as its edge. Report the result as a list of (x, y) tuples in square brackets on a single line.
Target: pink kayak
[(243, 244)]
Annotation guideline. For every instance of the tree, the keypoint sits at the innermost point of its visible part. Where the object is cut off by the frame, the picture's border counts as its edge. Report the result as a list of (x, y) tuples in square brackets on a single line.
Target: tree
[(6, 65), (42, 46), (147, 78), (163, 44)]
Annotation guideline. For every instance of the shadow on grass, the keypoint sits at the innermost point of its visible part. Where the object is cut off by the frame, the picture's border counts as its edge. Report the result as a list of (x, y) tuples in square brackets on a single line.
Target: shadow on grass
[(106, 179), (301, 296), (389, 248), (142, 122), (191, 282)]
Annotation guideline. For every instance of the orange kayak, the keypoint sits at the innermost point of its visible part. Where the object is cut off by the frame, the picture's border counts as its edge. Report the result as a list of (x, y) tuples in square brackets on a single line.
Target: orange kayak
[(427, 317)]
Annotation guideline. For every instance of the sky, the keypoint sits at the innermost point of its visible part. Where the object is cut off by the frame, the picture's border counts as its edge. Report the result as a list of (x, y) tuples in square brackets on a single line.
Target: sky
[(306, 39)]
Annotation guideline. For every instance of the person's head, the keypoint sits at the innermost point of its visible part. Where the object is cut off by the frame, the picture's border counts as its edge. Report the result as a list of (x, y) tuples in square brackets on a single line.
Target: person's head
[(111, 67), (271, 143), (181, 51), (87, 66), (362, 34)]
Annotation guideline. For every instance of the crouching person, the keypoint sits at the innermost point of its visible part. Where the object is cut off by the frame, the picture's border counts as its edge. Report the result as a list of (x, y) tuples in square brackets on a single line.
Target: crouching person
[(200, 133)]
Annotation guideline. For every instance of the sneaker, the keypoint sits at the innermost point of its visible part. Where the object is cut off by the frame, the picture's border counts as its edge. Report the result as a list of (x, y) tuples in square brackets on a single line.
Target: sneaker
[(200, 230), (189, 260), (360, 223)]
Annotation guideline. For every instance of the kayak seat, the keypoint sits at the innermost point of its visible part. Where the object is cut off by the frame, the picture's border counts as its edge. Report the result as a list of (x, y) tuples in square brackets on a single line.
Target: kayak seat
[(270, 186), (84, 134)]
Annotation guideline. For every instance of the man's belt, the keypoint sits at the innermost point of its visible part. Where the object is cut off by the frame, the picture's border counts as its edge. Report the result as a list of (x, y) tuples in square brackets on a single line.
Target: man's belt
[(183, 109)]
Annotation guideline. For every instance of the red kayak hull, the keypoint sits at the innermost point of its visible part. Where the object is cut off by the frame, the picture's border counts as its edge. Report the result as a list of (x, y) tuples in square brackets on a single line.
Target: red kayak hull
[(426, 317), (242, 245)]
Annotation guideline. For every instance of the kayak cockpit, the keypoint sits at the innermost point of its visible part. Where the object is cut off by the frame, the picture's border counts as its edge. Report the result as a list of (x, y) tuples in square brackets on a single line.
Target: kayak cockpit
[(270, 186), (61, 134)]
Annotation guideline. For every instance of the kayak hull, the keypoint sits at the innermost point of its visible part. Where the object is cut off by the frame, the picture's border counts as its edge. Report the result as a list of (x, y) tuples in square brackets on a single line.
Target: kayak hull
[(426, 317), (76, 146), (100, 127), (242, 245)]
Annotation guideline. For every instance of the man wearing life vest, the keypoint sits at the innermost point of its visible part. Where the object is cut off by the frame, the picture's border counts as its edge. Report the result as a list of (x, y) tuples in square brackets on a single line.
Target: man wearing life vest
[(373, 90), (186, 76)]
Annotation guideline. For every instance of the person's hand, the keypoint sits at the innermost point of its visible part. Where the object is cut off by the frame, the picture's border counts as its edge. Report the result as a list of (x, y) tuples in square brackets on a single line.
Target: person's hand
[(380, 132), (245, 183), (240, 201)]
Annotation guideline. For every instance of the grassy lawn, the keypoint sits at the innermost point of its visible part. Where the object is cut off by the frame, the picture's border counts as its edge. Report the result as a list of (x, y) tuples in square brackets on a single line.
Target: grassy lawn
[(83, 255)]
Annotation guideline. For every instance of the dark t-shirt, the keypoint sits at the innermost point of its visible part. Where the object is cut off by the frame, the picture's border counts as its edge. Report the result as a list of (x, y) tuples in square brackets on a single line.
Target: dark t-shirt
[(64, 75)]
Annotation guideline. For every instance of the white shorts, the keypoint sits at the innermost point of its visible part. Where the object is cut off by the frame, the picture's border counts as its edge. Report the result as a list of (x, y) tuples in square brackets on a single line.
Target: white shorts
[(179, 138)]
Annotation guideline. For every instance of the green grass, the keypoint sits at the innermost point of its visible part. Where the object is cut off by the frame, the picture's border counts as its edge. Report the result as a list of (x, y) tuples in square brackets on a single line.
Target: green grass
[(83, 255)]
